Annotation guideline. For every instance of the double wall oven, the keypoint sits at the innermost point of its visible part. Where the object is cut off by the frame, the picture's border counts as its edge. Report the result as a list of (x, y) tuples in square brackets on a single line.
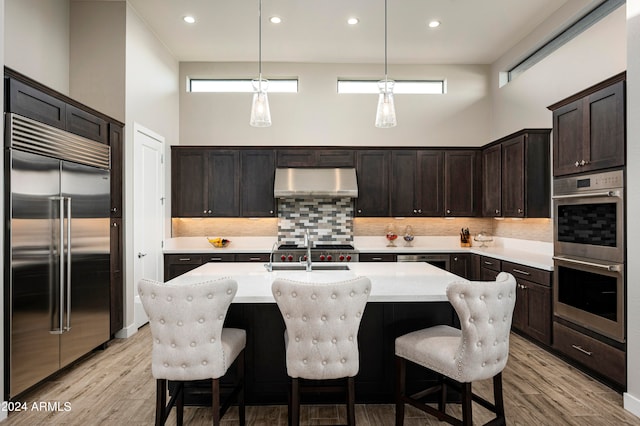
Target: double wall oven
[(589, 252)]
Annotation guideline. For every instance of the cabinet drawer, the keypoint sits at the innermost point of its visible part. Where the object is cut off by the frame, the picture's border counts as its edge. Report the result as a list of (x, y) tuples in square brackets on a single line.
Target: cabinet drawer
[(186, 259), (377, 257), (252, 257), (527, 273), (491, 263), (598, 356), (224, 257), (86, 124)]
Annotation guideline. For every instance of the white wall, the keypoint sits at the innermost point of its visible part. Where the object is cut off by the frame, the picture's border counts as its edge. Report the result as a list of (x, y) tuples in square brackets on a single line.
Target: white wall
[(151, 101), (632, 396), (97, 55), (36, 40), (597, 54), (317, 115)]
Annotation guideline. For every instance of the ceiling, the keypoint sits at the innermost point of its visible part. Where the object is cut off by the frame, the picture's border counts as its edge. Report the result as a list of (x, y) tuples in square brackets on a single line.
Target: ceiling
[(472, 31)]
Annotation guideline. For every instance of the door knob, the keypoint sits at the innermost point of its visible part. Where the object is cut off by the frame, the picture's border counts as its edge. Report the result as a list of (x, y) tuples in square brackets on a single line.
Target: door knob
[(141, 255)]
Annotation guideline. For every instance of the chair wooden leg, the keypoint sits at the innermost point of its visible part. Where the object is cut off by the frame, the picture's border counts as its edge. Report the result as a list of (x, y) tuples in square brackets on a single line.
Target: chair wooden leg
[(351, 401), (294, 407), (215, 402), (180, 404), (442, 402), (401, 365), (467, 415), (241, 405), (161, 400), (498, 398)]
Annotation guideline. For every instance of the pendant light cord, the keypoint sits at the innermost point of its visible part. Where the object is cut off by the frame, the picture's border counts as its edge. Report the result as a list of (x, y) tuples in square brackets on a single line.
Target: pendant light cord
[(260, 41), (385, 40)]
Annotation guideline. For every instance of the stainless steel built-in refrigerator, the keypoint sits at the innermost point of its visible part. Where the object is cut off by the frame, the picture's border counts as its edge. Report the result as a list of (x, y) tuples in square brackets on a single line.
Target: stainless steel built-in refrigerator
[(57, 254)]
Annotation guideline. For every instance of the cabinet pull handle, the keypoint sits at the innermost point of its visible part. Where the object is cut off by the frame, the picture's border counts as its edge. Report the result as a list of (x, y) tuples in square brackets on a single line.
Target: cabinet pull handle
[(256, 259), (488, 263), (376, 258), (584, 351), (216, 258), (520, 272), (184, 259)]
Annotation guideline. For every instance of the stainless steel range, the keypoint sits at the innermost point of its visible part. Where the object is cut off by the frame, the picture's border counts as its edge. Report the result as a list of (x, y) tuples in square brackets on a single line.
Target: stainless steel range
[(319, 253)]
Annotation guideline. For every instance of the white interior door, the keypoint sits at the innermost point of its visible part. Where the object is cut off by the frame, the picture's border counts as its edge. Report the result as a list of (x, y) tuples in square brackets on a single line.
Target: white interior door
[(148, 211)]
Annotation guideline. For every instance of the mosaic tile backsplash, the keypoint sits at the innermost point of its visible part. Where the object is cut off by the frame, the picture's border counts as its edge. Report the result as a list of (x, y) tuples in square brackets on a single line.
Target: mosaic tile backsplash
[(329, 220)]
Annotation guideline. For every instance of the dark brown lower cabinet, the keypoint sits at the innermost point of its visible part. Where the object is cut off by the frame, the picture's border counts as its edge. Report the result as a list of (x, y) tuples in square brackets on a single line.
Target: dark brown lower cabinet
[(606, 361), (178, 264), (532, 314), (460, 264), (116, 289)]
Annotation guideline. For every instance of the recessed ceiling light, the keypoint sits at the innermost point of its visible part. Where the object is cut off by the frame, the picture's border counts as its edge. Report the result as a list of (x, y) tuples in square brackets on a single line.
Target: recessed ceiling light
[(352, 21), (434, 24), (189, 19), (275, 20)]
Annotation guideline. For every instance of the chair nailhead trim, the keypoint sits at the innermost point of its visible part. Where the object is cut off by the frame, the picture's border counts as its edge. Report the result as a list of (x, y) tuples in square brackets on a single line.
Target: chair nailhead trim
[(229, 291), (333, 295), (313, 296), (189, 298), (210, 296), (180, 323), (169, 298)]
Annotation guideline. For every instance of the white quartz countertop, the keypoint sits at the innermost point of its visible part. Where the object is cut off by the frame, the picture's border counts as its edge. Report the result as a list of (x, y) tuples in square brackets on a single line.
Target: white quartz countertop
[(390, 282), (535, 254)]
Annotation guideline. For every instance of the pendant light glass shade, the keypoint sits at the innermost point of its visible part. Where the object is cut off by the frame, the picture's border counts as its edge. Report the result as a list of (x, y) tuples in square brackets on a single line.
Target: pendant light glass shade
[(260, 114), (386, 114)]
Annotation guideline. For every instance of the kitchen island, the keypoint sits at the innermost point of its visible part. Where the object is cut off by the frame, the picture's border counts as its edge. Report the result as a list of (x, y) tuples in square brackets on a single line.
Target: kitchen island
[(404, 297)]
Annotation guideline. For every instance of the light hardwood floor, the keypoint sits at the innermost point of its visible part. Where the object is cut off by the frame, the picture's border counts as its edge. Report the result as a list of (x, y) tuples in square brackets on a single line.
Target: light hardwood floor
[(115, 387)]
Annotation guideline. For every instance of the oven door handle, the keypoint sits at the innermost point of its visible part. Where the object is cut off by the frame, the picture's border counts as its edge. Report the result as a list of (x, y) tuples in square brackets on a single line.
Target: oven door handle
[(588, 195), (610, 268)]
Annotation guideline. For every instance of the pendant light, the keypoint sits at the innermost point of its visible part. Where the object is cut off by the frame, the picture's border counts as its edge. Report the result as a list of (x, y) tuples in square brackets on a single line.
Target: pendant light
[(386, 114), (260, 114)]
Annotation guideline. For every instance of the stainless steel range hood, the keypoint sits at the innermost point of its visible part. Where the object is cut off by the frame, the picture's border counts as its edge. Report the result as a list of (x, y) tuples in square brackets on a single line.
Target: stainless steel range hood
[(291, 183)]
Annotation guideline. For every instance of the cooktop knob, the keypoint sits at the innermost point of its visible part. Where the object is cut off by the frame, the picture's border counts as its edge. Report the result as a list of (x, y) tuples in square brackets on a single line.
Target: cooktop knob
[(283, 257), (341, 257), (329, 257), (322, 257), (290, 257), (348, 258)]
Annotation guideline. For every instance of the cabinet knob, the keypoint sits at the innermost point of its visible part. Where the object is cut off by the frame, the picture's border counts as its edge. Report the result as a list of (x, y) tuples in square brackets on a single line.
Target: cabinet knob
[(209, 211), (415, 211), (519, 210), (497, 211), (204, 211), (577, 164), (582, 163), (359, 210), (114, 209), (270, 211), (115, 224), (448, 211), (419, 210)]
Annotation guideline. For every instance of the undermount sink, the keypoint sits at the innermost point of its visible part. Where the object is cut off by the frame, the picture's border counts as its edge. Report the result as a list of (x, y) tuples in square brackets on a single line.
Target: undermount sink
[(315, 267)]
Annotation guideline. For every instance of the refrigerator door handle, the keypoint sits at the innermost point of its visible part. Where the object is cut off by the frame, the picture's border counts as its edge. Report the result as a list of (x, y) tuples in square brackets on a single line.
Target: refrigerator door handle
[(61, 274), (68, 259)]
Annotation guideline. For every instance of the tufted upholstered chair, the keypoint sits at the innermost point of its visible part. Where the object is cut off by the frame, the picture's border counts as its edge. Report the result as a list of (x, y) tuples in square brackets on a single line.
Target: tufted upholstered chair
[(321, 336), (189, 342), (478, 351)]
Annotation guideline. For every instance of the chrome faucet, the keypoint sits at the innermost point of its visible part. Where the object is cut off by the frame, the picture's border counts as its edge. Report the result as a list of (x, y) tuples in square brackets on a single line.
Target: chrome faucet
[(307, 244), (269, 265)]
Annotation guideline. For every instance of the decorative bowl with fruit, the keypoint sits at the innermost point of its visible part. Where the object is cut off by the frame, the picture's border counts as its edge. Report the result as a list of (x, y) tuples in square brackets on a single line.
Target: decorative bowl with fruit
[(219, 242)]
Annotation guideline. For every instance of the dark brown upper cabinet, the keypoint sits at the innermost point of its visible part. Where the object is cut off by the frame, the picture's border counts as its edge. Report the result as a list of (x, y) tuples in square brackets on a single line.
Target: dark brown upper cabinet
[(31, 102), (116, 142), (315, 157), (257, 177), (416, 183), (461, 186), (372, 170), (589, 129), (492, 181), (516, 175), (205, 182)]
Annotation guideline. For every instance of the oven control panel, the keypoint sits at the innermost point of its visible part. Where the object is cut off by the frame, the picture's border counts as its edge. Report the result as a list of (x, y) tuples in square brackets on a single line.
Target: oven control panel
[(591, 182)]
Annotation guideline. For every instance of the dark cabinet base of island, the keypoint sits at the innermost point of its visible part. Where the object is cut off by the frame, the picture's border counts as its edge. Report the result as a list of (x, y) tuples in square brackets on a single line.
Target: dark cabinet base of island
[(266, 380)]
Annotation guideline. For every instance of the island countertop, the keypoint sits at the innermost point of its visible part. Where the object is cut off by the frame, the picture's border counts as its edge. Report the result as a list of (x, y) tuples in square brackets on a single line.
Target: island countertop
[(390, 282)]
